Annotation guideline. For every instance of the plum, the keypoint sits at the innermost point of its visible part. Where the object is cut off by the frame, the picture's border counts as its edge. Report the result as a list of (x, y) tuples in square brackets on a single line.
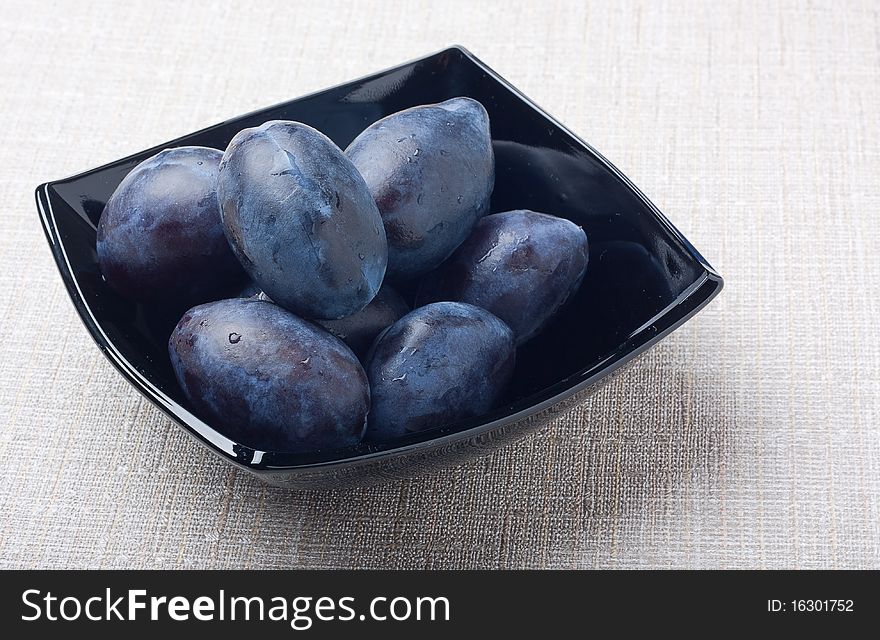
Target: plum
[(359, 330), (520, 265), (268, 379), (443, 362), (301, 220), (431, 170), (160, 236), (249, 290)]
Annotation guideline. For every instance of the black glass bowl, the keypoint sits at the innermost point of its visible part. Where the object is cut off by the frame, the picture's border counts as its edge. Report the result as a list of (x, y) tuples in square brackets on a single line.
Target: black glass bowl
[(644, 278)]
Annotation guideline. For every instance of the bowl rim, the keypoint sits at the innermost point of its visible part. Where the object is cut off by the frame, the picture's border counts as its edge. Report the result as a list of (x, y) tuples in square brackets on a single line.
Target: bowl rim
[(682, 308)]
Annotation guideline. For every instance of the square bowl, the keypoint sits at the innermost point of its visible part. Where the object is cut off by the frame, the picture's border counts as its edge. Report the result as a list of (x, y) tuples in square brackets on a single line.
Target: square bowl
[(644, 279)]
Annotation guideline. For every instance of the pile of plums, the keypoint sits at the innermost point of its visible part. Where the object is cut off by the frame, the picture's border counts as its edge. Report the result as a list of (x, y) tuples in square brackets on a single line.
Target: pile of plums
[(319, 351)]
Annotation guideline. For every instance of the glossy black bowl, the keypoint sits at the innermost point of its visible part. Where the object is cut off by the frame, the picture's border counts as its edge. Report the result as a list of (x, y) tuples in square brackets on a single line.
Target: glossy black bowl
[(644, 278)]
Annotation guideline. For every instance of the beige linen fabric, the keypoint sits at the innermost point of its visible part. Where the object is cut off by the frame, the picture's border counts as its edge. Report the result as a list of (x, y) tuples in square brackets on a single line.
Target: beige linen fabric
[(749, 438)]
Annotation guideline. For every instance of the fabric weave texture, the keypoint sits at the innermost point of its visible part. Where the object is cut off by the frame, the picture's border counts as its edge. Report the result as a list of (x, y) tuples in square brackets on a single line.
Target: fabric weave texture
[(750, 438)]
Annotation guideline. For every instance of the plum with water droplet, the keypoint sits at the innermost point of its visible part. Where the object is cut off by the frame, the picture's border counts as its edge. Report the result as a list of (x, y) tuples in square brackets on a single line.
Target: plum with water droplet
[(430, 170), (438, 364), (160, 237), (268, 379), (520, 265), (300, 218)]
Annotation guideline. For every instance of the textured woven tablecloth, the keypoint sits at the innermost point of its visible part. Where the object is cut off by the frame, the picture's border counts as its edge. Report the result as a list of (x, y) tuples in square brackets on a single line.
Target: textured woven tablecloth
[(749, 438)]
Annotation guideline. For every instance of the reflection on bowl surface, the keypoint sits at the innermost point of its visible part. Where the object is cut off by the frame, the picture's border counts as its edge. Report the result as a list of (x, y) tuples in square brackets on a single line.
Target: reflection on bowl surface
[(643, 279)]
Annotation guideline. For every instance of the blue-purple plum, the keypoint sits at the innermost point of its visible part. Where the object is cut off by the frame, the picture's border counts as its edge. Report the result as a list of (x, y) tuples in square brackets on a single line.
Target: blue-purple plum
[(160, 237), (520, 265), (249, 289), (359, 330), (438, 364), (268, 379), (300, 218), (431, 170)]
